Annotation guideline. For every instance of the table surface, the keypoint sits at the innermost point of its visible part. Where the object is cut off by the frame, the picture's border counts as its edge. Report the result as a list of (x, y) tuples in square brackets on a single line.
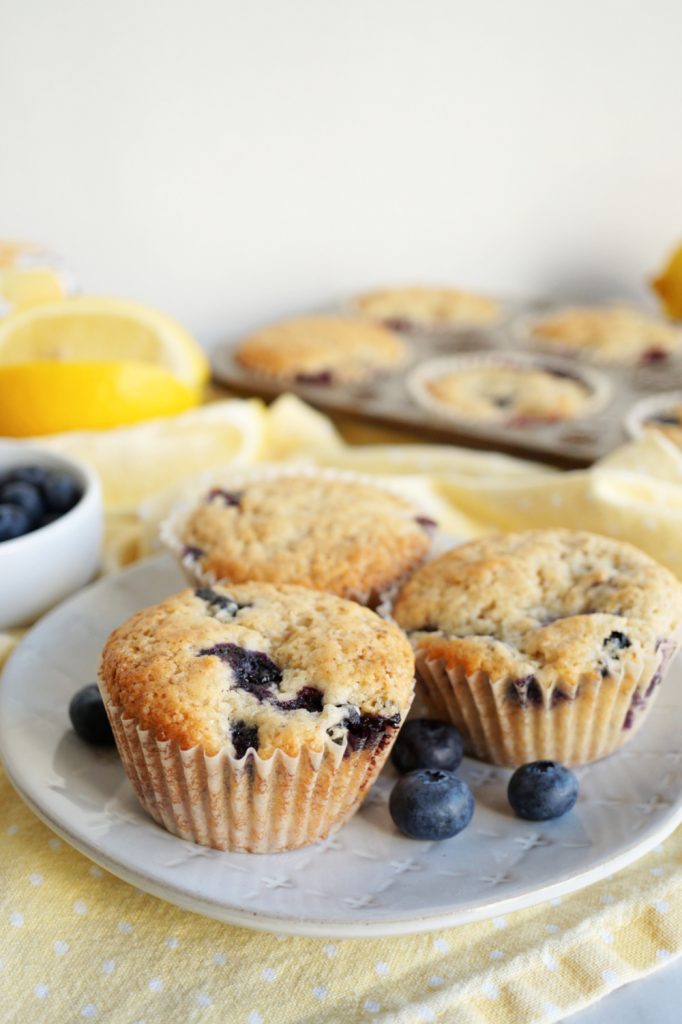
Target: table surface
[(656, 998)]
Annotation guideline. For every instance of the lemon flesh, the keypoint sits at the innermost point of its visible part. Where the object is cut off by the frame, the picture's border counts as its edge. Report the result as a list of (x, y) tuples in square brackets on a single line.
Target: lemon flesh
[(88, 329)]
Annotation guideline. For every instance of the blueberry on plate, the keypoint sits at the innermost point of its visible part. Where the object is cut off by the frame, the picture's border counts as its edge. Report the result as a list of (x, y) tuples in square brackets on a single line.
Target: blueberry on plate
[(431, 804), (14, 522), (542, 790), (427, 743), (61, 492), (26, 496), (89, 718)]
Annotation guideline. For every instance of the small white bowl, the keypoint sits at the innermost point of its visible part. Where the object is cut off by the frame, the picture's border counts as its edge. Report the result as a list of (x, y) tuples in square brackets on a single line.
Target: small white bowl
[(41, 568)]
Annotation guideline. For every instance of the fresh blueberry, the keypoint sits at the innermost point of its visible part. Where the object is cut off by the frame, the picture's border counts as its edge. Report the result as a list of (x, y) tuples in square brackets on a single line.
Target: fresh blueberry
[(37, 476), (431, 804), (14, 522), (88, 717), (61, 492), (542, 790), (26, 496), (427, 743)]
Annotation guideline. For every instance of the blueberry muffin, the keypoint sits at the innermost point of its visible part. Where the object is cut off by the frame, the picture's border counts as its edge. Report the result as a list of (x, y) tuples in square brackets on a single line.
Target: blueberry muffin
[(610, 334), (428, 308), (343, 536), (322, 350), (507, 394), (546, 644), (255, 717), (668, 422)]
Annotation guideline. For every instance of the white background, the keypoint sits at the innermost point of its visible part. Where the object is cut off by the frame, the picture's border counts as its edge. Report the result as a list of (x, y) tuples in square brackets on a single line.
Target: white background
[(232, 161)]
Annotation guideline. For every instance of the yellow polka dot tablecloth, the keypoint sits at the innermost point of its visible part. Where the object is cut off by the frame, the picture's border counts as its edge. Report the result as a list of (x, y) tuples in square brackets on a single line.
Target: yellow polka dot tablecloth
[(78, 944)]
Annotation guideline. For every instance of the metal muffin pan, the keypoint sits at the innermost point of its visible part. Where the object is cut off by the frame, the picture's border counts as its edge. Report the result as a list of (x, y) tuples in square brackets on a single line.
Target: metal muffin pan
[(388, 399)]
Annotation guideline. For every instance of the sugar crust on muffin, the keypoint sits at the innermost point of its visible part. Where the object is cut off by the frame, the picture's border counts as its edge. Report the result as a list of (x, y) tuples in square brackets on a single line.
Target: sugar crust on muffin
[(610, 334), (262, 667), (555, 605), (344, 536), (423, 306), (323, 350)]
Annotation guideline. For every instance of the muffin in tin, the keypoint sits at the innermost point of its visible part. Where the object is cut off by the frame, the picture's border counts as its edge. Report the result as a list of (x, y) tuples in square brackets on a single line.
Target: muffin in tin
[(502, 391), (255, 717), (427, 308), (607, 334), (661, 413), (344, 536), (545, 644), (323, 350)]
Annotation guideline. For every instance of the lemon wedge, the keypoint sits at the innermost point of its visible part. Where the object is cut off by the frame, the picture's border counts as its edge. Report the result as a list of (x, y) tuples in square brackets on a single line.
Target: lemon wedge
[(22, 288), (48, 398), (668, 285), (86, 329)]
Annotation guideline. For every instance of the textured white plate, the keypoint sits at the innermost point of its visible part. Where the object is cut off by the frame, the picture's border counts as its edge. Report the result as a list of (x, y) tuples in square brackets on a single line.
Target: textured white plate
[(368, 879)]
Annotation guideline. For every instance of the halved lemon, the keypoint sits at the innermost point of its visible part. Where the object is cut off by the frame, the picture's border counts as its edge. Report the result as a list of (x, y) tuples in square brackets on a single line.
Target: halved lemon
[(86, 329), (668, 285), (47, 398)]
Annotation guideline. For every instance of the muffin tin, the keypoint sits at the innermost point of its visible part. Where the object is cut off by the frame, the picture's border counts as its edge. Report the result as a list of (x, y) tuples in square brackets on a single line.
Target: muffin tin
[(390, 400), (636, 421)]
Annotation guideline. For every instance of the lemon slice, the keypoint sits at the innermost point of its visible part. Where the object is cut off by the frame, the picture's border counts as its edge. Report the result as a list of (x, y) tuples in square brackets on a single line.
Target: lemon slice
[(22, 288), (151, 462), (85, 329), (46, 398), (668, 285)]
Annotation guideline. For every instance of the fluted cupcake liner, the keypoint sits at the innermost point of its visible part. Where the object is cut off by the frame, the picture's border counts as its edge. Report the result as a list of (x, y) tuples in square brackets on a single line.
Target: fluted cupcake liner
[(170, 530), (508, 721), (250, 804)]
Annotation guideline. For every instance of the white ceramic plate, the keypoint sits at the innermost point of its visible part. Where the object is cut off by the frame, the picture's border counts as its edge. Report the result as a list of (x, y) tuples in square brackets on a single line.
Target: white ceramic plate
[(366, 880)]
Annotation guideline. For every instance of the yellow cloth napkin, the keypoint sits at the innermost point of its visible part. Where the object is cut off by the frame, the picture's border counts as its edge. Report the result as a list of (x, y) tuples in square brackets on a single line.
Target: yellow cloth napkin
[(76, 943)]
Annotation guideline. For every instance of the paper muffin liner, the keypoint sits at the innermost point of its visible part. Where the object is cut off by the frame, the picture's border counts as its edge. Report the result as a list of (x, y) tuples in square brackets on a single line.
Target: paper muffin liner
[(172, 528), (250, 804), (507, 722), (598, 384), (636, 421)]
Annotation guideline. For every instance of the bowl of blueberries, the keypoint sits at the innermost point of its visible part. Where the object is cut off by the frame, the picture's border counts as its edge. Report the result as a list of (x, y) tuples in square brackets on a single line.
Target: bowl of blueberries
[(50, 530)]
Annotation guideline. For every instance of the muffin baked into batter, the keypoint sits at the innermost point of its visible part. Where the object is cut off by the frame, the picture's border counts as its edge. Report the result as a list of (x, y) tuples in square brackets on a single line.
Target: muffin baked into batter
[(612, 334), (420, 306), (542, 644), (342, 536), (668, 422), (515, 395), (323, 350)]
